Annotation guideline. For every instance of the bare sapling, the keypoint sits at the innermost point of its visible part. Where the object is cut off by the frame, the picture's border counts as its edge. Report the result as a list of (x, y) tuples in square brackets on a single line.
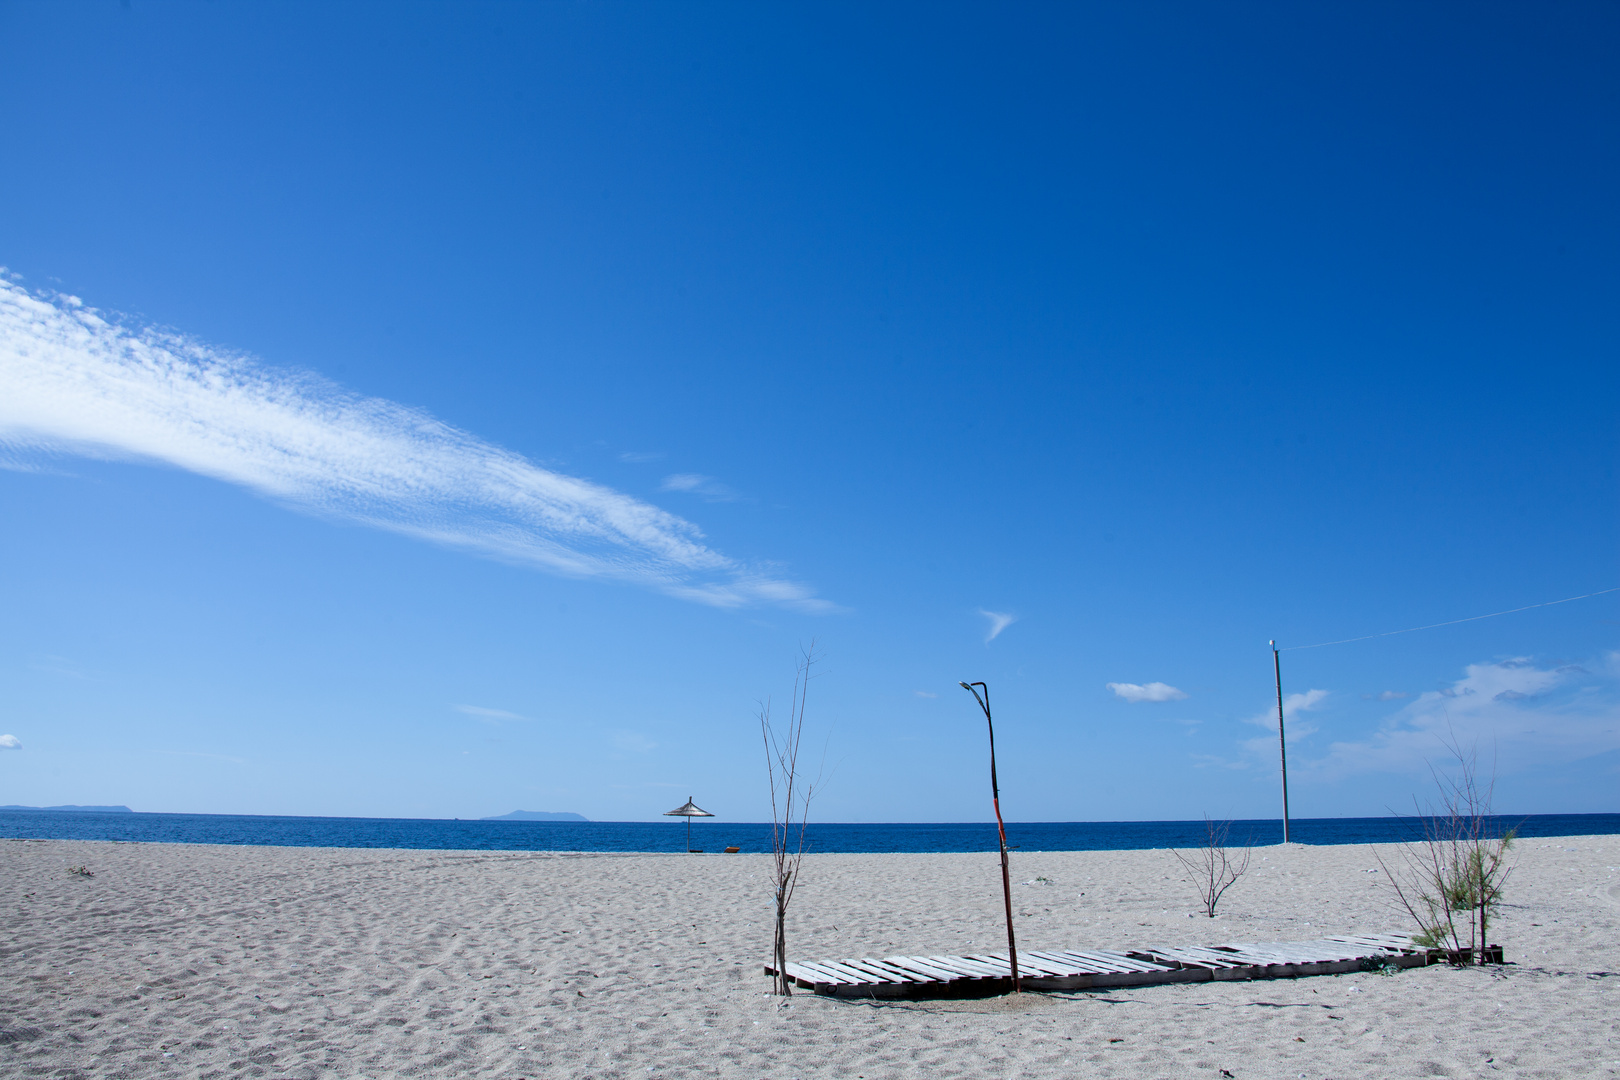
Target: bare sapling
[(1214, 868), (1450, 882), (790, 807)]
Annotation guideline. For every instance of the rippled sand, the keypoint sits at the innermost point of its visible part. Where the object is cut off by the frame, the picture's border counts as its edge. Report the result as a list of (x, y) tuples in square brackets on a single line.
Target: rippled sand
[(204, 961)]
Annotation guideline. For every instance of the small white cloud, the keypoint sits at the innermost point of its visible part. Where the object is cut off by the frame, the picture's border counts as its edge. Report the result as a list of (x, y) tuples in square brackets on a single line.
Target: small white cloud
[(10, 742), (638, 457), (999, 621), (492, 715), (1153, 691), (924, 693), (1387, 695), (705, 487), (629, 740), (1305, 702)]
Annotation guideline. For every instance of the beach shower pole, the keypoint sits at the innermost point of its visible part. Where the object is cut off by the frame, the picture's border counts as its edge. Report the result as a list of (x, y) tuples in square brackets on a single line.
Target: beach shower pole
[(1282, 742), (1001, 830)]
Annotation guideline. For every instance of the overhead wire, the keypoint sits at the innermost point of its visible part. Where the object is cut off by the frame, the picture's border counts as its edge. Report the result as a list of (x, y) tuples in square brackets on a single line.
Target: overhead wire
[(1453, 622)]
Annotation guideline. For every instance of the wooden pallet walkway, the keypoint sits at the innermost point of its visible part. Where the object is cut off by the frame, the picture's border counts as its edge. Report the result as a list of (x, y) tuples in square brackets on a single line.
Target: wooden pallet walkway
[(989, 973)]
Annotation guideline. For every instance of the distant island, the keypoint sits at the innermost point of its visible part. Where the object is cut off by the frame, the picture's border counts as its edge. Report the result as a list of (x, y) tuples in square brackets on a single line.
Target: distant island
[(76, 809), (536, 815)]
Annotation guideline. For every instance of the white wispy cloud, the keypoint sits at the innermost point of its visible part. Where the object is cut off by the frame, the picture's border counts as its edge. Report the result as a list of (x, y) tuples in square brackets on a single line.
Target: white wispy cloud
[(10, 742), (1298, 730), (1215, 761), (924, 694), (999, 621), (629, 740), (1518, 712), (1153, 691), (640, 457), (76, 381), (1292, 703), (56, 665), (493, 715), (705, 487)]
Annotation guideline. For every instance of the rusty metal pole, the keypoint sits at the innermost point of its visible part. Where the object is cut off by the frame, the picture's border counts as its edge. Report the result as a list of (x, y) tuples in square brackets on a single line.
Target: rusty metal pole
[(1001, 829), (1282, 740)]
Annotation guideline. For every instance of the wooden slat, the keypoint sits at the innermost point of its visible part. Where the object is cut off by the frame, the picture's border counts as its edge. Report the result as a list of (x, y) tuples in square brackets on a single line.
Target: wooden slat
[(1094, 964), (1199, 957), (955, 964), (876, 971), (1382, 941), (900, 973), (801, 973), (1032, 965), (852, 974), (993, 961), (867, 975), (822, 973), (827, 973), (1123, 961), (1062, 964), (1260, 954), (927, 970), (1327, 950), (1088, 965), (1103, 965), (1262, 958), (977, 968), (1338, 950), (1310, 951)]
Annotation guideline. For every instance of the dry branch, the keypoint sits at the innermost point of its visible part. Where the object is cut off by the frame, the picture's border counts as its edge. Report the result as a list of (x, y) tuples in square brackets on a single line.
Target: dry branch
[(790, 806), (1212, 868), (1450, 881)]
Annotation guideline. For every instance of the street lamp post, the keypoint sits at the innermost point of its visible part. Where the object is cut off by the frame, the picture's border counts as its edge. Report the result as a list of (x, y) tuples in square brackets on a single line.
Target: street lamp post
[(1282, 740), (1001, 830)]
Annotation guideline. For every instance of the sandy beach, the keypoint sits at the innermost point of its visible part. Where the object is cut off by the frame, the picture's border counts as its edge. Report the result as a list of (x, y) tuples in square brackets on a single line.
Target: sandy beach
[(215, 961)]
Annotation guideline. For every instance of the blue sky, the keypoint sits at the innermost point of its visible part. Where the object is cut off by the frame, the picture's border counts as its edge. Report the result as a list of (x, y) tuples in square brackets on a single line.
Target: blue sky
[(436, 410)]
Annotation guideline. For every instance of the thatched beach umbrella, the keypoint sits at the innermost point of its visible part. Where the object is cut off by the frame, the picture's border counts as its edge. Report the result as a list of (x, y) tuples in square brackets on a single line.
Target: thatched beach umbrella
[(689, 811)]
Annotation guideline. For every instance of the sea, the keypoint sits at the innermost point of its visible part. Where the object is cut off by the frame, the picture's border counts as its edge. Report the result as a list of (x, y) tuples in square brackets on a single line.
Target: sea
[(710, 835)]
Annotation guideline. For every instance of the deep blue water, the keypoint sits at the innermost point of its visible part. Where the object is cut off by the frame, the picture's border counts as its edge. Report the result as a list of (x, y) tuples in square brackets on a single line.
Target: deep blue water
[(715, 835)]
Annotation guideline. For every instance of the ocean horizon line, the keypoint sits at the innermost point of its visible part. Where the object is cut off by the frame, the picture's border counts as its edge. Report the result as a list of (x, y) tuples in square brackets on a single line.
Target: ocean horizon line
[(698, 823), (709, 835)]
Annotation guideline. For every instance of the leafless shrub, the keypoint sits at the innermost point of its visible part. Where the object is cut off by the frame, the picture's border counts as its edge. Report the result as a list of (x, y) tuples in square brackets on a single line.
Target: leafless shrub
[(81, 871), (790, 806), (1212, 868), (1450, 881)]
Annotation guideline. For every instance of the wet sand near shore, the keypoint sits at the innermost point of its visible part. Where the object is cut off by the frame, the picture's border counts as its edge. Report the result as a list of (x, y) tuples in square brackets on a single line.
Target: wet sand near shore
[(214, 961)]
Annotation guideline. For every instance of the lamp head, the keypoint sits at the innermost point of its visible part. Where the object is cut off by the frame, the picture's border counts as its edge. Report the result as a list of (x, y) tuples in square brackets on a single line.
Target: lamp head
[(964, 686)]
